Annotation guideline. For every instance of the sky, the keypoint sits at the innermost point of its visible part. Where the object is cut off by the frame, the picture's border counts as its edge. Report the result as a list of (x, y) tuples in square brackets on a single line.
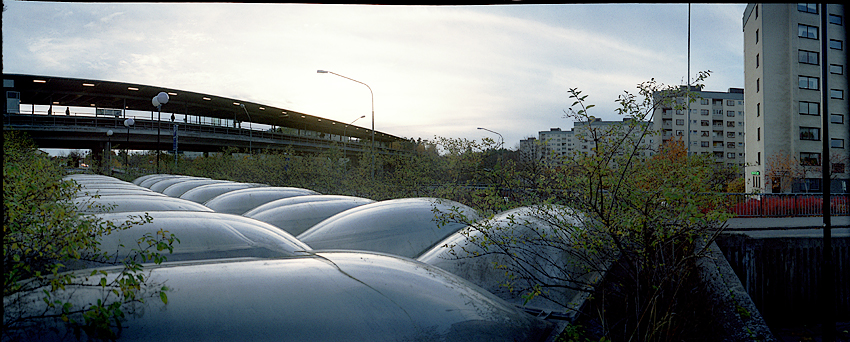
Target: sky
[(434, 71)]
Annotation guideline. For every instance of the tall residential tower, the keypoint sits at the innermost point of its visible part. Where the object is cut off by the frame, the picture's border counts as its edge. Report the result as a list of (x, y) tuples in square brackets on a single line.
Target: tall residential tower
[(783, 59)]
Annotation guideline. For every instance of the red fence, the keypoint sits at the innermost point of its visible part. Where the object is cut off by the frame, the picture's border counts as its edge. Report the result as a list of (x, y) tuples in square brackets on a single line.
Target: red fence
[(785, 205)]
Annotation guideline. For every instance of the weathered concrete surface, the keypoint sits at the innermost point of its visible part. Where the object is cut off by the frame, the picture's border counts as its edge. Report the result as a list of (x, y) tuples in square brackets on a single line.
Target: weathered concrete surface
[(781, 268), (739, 318)]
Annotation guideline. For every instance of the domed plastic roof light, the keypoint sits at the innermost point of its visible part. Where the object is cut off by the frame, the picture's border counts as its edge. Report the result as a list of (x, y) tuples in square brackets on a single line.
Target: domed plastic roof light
[(332, 296), (126, 203), (405, 227), (530, 245), (178, 189), (299, 216), (204, 193), (239, 201)]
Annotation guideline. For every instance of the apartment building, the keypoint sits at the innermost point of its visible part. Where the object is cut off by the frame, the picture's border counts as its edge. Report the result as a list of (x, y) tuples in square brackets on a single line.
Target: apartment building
[(713, 124), (783, 76), (555, 144)]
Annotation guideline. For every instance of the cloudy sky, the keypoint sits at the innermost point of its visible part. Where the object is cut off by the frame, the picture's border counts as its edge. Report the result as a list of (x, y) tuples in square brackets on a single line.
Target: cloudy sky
[(434, 70)]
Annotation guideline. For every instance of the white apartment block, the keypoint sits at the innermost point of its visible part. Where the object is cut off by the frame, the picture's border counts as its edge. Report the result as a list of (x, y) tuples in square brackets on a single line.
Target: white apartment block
[(554, 144), (713, 124), (783, 61)]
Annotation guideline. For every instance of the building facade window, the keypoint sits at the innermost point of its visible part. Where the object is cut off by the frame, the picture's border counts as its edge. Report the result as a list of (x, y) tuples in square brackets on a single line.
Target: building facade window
[(836, 19), (730, 102), (808, 82), (836, 69), (809, 108), (809, 133), (703, 112), (730, 113), (807, 8), (807, 31), (703, 143), (836, 44), (836, 94), (758, 109), (730, 134), (808, 57), (730, 155), (758, 134), (836, 143), (758, 85), (680, 122), (703, 102), (809, 159), (836, 118), (757, 61), (730, 123), (838, 167)]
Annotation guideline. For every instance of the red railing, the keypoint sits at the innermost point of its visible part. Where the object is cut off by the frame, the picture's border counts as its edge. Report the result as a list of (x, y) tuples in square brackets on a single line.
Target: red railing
[(786, 205)]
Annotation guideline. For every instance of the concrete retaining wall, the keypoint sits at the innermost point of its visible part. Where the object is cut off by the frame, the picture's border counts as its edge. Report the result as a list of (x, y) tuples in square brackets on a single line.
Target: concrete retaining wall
[(781, 272)]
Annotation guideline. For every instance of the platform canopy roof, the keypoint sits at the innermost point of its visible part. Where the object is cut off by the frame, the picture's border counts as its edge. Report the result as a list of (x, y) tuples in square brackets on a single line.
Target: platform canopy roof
[(76, 92)]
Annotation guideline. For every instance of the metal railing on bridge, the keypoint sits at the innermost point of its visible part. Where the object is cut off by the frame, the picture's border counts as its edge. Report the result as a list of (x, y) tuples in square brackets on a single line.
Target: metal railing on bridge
[(786, 205), (41, 120)]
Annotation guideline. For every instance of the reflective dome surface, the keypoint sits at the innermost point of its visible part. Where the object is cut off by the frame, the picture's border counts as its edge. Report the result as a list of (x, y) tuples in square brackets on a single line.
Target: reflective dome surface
[(405, 227), (152, 180), (332, 296), (527, 233), (117, 191), (125, 203), (239, 201), (301, 215), (179, 188), (165, 183), (207, 192), (203, 235)]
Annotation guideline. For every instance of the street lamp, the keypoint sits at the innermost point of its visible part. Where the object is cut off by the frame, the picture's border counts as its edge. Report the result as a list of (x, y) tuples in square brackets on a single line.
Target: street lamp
[(250, 131), (372, 147), (501, 139), (109, 150), (128, 122), (157, 101), (346, 128)]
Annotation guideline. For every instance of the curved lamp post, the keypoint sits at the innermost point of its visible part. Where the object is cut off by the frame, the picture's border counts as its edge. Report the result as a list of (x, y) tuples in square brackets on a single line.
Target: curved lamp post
[(109, 150), (501, 139), (250, 131), (128, 122), (346, 128), (157, 101), (372, 148)]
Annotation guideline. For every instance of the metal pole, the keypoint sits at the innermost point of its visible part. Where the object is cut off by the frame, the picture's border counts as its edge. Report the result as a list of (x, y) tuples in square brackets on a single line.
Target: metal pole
[(158, 119), (373, 114), (828, 276), (501, 139), (250, 131)]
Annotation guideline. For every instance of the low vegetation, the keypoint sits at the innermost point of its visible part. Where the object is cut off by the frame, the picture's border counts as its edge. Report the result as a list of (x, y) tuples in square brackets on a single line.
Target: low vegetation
[(44, 237)]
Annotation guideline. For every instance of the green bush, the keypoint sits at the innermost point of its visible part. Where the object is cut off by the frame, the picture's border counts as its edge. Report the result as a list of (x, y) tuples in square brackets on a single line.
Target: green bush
[(43, 236)]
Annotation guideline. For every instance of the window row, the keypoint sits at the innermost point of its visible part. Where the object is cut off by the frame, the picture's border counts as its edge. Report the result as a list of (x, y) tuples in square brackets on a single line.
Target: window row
[(813, 8)]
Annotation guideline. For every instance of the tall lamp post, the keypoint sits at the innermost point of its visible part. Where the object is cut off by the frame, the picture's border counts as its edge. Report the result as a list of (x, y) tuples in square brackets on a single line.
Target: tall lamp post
[(501, 139), (128, 122), (250, 131), (157, 101), (372, 147)]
